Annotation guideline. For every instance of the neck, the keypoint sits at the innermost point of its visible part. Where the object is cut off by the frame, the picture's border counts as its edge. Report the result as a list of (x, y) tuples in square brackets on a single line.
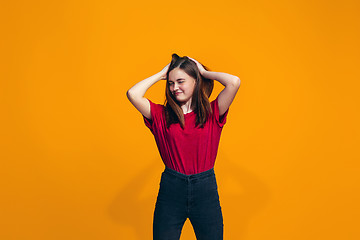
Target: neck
[(186, 107)]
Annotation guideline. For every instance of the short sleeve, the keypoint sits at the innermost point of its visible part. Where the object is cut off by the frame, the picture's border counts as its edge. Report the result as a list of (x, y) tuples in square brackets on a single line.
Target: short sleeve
[(220, 120), (155, 111)]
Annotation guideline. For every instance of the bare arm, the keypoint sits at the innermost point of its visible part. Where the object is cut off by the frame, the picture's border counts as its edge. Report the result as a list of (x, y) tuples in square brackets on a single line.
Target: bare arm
[(227, 95), (231, 83), (136, 93)]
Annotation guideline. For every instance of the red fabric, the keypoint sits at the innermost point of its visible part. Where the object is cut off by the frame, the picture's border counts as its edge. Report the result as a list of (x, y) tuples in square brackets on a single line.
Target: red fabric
[(189, 151)]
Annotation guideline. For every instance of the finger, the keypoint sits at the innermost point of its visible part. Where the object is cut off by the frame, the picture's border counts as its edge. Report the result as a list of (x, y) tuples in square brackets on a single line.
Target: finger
[(192, 59)]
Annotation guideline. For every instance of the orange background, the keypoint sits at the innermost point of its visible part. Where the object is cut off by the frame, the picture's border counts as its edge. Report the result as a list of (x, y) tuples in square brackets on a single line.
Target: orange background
[(77, 161)]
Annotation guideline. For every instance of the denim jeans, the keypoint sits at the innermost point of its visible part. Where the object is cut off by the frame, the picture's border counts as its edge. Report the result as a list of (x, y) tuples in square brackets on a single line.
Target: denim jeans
[(188, 196)]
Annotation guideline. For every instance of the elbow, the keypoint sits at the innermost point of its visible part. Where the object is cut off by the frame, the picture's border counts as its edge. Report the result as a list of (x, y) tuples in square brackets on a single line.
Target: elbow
[(236, 82), (129, 94), (132, 96)]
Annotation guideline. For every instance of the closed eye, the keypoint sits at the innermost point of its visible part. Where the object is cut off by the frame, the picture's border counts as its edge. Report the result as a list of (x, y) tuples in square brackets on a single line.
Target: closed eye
[(171, 83)]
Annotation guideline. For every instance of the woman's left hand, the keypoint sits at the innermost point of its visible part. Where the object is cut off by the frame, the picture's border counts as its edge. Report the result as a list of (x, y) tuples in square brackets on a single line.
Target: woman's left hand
[(200, 67)]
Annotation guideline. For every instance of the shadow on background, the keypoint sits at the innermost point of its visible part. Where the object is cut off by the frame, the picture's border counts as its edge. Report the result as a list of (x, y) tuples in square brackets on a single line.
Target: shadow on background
[(242, 195), (131, 208)]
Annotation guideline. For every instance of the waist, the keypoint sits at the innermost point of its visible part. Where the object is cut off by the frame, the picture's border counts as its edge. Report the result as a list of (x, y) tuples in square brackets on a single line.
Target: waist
[(200, 175)]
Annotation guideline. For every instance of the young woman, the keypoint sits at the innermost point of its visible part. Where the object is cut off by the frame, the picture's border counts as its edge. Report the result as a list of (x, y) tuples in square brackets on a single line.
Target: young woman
[(187, 131)]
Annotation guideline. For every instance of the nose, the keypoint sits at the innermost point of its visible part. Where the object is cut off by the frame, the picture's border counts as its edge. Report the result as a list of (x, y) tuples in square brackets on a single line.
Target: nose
[(176, 87)]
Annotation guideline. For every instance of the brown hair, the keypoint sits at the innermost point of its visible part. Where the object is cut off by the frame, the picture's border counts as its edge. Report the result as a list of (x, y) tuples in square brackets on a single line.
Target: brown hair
[(200, 98)]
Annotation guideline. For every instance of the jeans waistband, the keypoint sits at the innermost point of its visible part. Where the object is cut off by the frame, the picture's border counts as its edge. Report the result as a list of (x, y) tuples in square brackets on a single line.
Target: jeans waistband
[(191, 176)]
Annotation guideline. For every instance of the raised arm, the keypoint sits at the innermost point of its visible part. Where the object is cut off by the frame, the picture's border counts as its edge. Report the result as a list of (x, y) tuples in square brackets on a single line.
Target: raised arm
[(136, 93), (231, 83), (227, 95)]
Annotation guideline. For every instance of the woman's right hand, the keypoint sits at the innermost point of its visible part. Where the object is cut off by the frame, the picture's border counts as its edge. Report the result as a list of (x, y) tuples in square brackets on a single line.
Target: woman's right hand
[(164, 71)]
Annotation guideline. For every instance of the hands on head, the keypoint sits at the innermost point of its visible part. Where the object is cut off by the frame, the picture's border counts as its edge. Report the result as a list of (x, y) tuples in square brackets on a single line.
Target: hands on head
[(164, 71), (200, 67), (166, 68)]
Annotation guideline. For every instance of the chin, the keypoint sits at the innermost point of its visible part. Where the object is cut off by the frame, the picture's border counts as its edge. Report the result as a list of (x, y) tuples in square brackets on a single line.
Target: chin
[(179, 100)]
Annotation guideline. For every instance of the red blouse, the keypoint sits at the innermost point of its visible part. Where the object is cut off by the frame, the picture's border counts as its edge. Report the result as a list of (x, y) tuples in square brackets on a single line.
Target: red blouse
[(190, 150)]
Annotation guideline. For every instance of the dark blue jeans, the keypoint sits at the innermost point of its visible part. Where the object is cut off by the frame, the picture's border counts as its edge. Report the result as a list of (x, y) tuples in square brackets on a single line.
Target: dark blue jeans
[(188, 196)]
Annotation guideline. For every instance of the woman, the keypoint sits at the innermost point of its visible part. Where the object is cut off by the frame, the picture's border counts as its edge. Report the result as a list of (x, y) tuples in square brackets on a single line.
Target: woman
[(187, 131)]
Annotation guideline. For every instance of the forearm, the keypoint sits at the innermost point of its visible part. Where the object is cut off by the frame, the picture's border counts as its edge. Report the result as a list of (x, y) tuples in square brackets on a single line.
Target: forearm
[(224, 78), (140, 88)]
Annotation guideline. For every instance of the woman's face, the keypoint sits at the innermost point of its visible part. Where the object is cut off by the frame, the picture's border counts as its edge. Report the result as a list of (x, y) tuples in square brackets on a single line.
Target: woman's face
[(181, 85)]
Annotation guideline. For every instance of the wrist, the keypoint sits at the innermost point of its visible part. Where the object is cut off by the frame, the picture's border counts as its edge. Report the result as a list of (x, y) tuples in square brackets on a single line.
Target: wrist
[(162, 75), (205, 73)]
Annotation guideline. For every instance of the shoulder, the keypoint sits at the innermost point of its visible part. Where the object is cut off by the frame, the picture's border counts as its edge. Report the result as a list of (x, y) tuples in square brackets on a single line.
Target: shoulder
[(157, 116), (156, 108), (220, 120)]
